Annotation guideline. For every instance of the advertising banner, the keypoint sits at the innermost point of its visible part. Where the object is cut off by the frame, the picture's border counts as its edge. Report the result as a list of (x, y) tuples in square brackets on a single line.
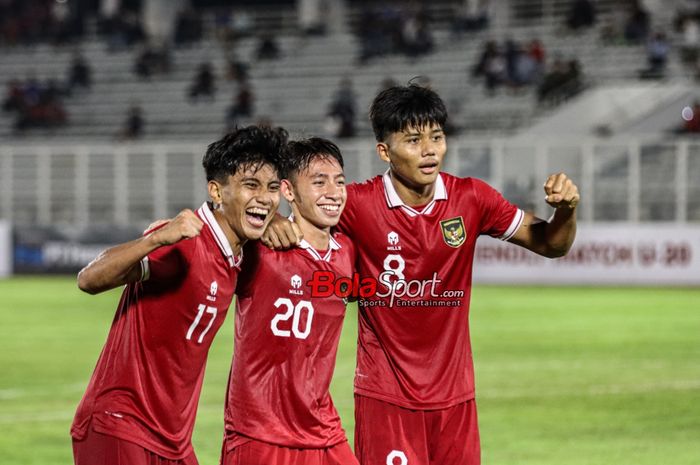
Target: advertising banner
[(55, 250), (603, 254)]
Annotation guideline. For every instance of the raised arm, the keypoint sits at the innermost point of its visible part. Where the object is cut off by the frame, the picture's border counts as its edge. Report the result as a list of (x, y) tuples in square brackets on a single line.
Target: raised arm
[(120, 264), (552, 238)]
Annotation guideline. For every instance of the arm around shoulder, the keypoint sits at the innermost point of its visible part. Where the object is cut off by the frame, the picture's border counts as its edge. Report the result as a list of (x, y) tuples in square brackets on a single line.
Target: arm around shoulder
[(121, 264)]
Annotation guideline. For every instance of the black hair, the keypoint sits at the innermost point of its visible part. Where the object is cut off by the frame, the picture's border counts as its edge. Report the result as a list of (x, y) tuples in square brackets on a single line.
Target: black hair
[(399, 107), (300, 153), (243, 147)]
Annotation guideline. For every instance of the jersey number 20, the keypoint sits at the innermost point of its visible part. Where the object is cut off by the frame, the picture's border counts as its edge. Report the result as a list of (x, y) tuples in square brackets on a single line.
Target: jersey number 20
[(294, 312)]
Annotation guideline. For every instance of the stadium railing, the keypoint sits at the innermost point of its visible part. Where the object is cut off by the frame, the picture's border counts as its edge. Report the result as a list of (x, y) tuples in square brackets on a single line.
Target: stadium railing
[(130, 184)]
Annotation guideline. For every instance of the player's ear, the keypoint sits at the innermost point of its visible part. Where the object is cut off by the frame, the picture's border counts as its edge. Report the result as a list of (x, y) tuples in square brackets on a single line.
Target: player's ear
[(215, 192), (383, 151), (287, 190)]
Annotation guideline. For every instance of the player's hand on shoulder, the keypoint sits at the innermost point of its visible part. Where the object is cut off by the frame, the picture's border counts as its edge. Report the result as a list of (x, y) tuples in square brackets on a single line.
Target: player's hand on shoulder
[(282, 233), (561, 192), (156, 224), (184, 226)]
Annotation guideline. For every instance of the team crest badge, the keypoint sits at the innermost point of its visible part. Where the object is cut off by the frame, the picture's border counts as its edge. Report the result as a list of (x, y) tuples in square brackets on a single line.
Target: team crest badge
[(453, 231)]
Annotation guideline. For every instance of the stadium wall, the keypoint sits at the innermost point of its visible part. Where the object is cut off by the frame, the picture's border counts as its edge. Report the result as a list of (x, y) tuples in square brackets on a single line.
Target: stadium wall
[(5, 249), (625, 254)]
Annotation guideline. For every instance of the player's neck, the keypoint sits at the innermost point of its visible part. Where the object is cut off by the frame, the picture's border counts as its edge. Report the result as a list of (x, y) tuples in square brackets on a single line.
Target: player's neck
[(318, 238), (234, 241), (412, 195)]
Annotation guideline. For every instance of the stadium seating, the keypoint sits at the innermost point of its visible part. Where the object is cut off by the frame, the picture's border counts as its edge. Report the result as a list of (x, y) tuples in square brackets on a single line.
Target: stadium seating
[(295, 90)]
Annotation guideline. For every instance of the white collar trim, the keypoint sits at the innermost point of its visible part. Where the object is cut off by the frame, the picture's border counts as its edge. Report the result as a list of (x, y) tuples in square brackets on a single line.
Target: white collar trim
[(332, 246), (393, 200), (208, 217)]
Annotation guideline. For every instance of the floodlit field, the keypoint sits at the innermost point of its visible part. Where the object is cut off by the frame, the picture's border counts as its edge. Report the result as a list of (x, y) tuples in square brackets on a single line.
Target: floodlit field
[(565, 376)]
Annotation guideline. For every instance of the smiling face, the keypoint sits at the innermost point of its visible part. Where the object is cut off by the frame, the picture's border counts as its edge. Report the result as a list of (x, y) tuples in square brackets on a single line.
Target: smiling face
[(414, 155), (247, 202), (317, 193)]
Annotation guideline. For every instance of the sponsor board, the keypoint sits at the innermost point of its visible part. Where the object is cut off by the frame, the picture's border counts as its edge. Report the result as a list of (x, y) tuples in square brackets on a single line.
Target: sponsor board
[(603, 254), (54, 250)]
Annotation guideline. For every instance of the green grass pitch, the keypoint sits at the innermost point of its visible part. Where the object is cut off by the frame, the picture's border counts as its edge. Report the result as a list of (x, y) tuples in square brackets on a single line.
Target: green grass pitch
[(565, 376)]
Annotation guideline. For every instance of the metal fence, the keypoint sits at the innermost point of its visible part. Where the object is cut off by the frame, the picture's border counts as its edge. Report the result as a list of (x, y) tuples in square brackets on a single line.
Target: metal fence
[(131, 184)]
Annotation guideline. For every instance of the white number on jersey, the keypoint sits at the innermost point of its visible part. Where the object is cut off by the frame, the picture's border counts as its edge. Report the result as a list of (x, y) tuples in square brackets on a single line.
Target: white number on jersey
[(201, 310), (403, 460), (400, 265), (294, 312)]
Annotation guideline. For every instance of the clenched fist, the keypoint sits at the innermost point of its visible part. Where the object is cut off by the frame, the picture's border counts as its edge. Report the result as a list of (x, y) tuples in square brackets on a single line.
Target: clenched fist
[(561, 192), (184, 226)]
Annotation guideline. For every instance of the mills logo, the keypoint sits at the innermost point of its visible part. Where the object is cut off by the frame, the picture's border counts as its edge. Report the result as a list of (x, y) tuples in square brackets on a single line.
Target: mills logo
[(213, 288), (393, 239), (295, 281)]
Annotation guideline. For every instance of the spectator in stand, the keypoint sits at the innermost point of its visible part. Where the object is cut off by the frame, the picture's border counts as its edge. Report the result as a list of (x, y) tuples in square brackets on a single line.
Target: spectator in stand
[(14, 97), (236, 70), (311, 15), (79, 73), (222, 25), (152, 60), (416, 38), (536, 50), (242, 106), (25, 22), (41, 106), (341, 112), (526, 69), (33, 21), (380, 31), (554, 78), (511, 54), (122, 30), (242, 24), (144, 65), (133, 124), (581, 15), (268, 49), (690, 30), (203, 84), (492, 66), (471, 16), (657, 57), (65, 22), (188, 27), (372, 37), (562, 82), (637, 24)]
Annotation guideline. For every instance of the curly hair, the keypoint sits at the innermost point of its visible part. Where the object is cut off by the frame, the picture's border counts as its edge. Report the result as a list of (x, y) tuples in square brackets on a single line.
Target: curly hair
[(251, 146)]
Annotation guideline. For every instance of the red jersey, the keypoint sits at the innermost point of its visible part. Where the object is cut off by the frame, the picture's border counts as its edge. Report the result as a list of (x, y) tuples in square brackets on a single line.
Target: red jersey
[(145, 388), (413, 343), (285, 348)]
